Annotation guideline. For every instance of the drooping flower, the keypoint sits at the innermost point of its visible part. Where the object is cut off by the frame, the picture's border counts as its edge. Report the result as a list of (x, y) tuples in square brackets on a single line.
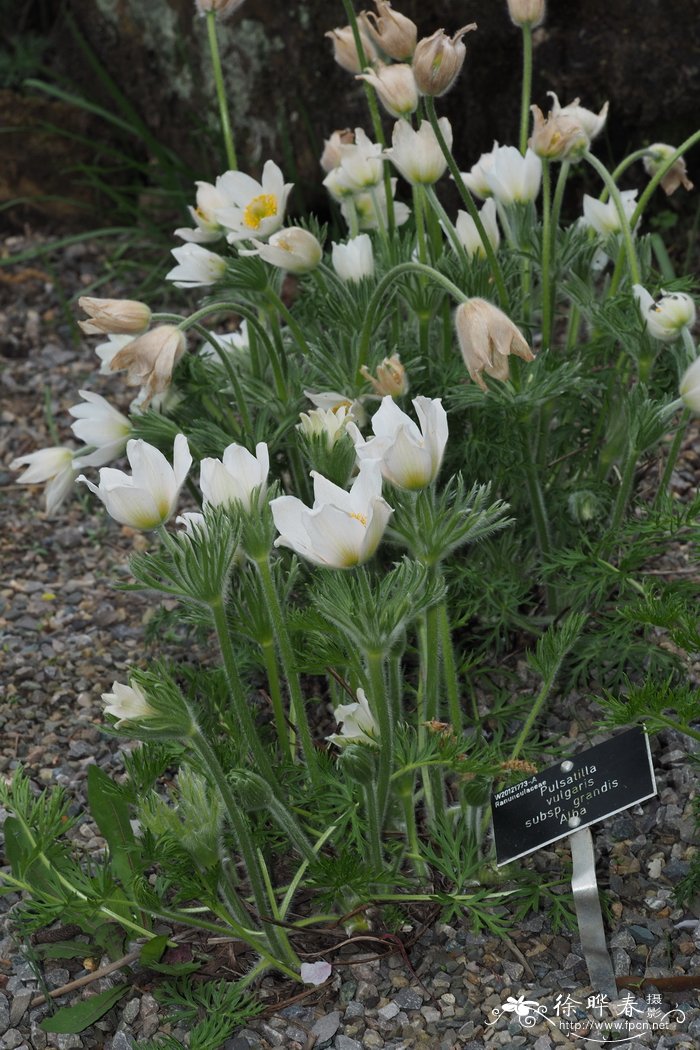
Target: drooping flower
[(150, 359), (52, 465), (100, 425), (149, 497), (391, 378), (343, 528), (469, 235), (511, 177), (592, 123), (558, 136), (677, 174), (486, 338), (236, 478), (438, 60), (392, 32), (409, 458), (196, 267), (292, 249), (360, 164), (345, 50), (354, 260), (396, 87), (254, 209), (330, 158), (603, 217), (666, 317), (417, 154), (357, 723), (127, 703), (207, 228), (118, 316), (690, 387)]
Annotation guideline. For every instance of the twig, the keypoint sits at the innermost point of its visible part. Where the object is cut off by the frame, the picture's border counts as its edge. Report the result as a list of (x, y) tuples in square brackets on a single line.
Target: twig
[(518, 955), (80, 982)]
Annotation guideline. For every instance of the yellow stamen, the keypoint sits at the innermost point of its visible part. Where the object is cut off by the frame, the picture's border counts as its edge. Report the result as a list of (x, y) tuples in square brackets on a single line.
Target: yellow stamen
[(361, 518), (261, 207)]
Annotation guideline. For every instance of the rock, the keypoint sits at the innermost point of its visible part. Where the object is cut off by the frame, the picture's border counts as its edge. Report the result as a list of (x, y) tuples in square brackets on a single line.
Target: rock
[(11, 1039), (409, 999), (343, 1042), (325, 1028), (19, 1007), (69, 1041), (353, 1010), (122, 1041)]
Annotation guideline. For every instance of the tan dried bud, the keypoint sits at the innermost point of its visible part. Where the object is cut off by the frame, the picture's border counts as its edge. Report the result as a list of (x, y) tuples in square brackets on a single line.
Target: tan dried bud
[(345, 50), (391, 377), (486, 338), (438, 60), (677, 174), (526, 12), (150, 359), (391, 31), (332, 154), (557, 137), (396, 87), (114, 316)]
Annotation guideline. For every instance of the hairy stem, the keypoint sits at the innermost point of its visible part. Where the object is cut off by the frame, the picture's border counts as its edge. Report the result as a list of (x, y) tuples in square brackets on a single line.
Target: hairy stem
[(224, 116)]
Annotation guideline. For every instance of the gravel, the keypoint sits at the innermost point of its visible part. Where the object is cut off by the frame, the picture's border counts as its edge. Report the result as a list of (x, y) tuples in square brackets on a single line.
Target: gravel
[(68, 634)]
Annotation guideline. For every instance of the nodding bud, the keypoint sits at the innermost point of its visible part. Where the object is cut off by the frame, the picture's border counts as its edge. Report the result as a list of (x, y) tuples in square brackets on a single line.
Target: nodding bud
[(558, 137), (396, 87), (332, 154), (115, 316), (677, 175), (526, 12), (438, 60), (391, 377), (393, 32), (486, 338), (345, 49), (252, 791)]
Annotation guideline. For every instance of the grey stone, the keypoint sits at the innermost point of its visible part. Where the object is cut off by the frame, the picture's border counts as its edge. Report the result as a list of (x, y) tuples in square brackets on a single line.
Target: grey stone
[(353, 1010), (11, 1039), (325, 1028), (69, 1041), (122, 1041), (38, 1036), (367, 993), (58, 977), (388, 1012), (131, 1011), (642, 935), (273, 1035), (4, 1013), (19, 1007), (239, 1042), (344, 1042), (409, 999), (430, 1014), (299, 1035), (372, 1040)]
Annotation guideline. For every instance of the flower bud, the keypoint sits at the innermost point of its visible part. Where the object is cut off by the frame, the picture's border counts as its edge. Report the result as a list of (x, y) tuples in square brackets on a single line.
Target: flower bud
[(325, 423), (345, 51), (118, 316), (293, 249), (354, 260), (358, 763), (558, 137), (438, 60), (222, 8), (677, 174), (331, 156), (252, 790), (396, 87), (592, 123), (486, 338), (391, 31), (391, 377), (666, 318), (526, 12), (690, 387)]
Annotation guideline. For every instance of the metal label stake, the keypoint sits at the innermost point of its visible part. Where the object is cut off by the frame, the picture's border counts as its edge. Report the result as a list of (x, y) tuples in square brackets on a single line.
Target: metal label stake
[(589, 915)]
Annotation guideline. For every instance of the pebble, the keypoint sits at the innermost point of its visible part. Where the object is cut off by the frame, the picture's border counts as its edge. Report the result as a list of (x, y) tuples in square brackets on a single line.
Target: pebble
[(325, 1028), (343, 1042)]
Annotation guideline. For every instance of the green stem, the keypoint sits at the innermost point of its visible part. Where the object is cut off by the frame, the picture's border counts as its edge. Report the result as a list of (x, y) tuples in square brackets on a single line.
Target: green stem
[(374, 824), (625, 489), (230, 372), (381, 705), (656, 179), (409, 816), (540, 700), (420, 224), (466, 196), (626, 226), (284, 645), (526, 92), (294, 327), (448, 227), (622, 168), (538, 508), (546, 256), (433, 784), (273, 681), (449, 668), (238, 697), (224, 117), (673, 453)]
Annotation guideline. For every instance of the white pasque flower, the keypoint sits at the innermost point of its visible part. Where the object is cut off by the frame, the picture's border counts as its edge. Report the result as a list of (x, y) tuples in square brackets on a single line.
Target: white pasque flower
[(236, 344), (603, 217), (53, 465), (196, 267), (253, 209), (666, 317), (469, 235), (512, 177), (331, 399), (127, 703), (328, 423), (100, 425), (371, 210), (293, 249), (592, 123), (109, 349), (417, 154), (149, 497), (361, 165), (207, 228), (409, 458), (690, 386), (353, 260), (342, 529), (475, 180), (236, 477), (120, 316), (356, 721)]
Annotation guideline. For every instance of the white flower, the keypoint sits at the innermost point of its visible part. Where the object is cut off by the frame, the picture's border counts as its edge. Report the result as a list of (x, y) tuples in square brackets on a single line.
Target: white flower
[(396, 86), (408, 457), (127, 703), (357, 723), (330, 423), (603, 217), (370, 208), (690, 387), (417, 154), (207, 228), (150, 359), (315, 973), (53, 465), (196, 267), (149, 497), (100, 425), (108, 350), (235, 478), (475, 180), (236, 343), (192, 522), (254, 209), (331, 399), (361, 164), (513, 178), (469, 235), (292, 249), (666, 318), (487, 337), (592, 123), (354, 260), (342, 528)]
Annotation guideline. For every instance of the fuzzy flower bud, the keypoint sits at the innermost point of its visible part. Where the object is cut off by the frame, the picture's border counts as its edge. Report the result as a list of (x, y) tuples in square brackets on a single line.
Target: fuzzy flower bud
[(222, 8), (526, 12), (345, 51), (391, 31), (118, 316), (438, 60), (396, 87), (391, 377), (332, 156), (558, 137), (486, 338), (677, 174)]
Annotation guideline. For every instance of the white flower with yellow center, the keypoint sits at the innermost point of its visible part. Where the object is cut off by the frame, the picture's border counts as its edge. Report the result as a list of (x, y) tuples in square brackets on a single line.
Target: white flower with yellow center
[(328, 423), (342, 529), (237, 478), (254, 209), (408, 457), (101, 426), (207, 229), (666, 317), (292, 249)]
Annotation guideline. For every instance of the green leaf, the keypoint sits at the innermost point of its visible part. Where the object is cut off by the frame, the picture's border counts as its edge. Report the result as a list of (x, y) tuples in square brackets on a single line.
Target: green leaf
[(111, 813), (73, 1019), (63, 950), (175, 969), (152, 950)]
